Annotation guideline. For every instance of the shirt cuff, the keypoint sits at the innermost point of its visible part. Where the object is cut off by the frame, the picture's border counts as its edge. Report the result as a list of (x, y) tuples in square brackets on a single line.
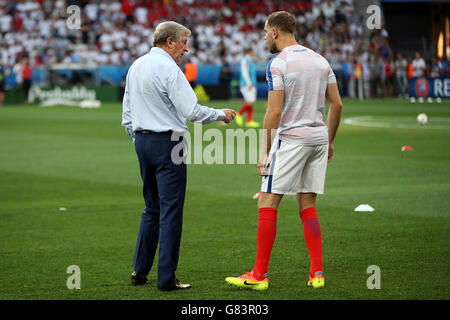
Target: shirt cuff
[(221, 115)]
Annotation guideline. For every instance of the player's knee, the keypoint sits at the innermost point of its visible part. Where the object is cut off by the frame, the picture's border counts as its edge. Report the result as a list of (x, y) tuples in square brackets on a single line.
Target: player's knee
[(269, 200), (306, 200)]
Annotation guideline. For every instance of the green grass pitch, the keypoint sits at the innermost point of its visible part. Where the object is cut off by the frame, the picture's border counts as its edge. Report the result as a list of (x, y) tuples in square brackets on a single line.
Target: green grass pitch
[(82, 160)]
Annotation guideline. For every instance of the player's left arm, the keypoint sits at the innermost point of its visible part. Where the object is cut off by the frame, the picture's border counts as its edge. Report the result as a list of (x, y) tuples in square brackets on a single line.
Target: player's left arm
[(335, 110), (334, 115), (271, 123)]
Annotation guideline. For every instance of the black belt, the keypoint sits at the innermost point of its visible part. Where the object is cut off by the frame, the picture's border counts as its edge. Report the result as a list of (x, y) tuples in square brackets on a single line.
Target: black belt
[(152, 132)]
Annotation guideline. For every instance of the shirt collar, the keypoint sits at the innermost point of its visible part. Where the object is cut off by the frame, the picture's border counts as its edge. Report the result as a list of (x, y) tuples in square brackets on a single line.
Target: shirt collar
[(161, 52), (293, 47)]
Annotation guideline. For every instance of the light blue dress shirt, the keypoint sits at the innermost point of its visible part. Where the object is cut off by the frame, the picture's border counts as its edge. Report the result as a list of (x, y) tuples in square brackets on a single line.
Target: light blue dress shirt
[(159, 98)]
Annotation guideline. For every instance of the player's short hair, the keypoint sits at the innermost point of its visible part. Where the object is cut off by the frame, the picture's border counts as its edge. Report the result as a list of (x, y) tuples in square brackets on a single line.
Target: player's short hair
[(169, 29), (248, 50), (282, 20)]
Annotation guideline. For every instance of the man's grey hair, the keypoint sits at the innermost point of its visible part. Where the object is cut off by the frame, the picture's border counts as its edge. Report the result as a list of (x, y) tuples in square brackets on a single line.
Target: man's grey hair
[(168, 29)]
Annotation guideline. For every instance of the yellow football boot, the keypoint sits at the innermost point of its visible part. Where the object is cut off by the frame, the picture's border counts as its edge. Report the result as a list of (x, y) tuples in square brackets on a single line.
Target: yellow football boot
[(252, 124), (247, 281), (239, 120), (318, 281)]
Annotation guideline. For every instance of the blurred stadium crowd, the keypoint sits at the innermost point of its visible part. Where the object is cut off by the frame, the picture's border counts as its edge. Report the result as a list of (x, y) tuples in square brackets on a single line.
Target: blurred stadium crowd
[(115, 32)]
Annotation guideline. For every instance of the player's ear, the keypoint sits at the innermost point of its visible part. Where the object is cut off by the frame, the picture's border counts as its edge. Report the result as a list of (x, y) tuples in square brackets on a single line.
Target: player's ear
[(169, 42), (275, 33)]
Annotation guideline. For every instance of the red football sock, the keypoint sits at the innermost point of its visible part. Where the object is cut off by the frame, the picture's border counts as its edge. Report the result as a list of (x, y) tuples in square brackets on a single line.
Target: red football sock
[(244, 108), (313, 238), (267, 230), (249, 113), (247, 108)]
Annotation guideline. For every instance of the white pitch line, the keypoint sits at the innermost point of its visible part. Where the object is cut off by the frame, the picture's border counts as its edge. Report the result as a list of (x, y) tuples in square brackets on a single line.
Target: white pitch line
[(369, 121)]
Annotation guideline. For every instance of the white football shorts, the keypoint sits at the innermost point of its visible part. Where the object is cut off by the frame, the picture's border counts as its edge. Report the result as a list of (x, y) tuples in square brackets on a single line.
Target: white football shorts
[(248, 94), (295, 168)]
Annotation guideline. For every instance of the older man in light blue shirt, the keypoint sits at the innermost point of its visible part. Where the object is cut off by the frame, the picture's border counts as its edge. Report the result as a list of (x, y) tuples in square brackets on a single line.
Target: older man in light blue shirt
[(157, 102), (162, 98)]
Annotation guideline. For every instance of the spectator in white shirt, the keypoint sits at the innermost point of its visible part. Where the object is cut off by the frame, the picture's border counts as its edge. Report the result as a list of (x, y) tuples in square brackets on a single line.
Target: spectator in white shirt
[(418, 66), (5, 22), (141, 15), (18, 73), (91, 10), (328, 9), (45, 28), (143, 47)]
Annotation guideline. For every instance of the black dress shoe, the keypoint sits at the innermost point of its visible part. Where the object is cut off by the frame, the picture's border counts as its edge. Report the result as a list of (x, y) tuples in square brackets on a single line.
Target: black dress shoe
[(138, 279), (177, 285)]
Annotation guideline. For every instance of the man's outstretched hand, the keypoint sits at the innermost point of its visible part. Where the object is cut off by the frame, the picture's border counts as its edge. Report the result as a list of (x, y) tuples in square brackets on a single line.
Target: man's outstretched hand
[(229, 115)]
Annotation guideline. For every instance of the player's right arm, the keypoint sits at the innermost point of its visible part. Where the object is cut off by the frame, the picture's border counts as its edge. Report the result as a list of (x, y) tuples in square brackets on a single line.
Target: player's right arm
[(334, 115), (272, 118), (126, 111), (276, 69)]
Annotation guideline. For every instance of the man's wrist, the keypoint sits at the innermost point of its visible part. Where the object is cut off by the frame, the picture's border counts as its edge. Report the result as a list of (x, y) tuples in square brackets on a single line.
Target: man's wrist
[(221, 115)]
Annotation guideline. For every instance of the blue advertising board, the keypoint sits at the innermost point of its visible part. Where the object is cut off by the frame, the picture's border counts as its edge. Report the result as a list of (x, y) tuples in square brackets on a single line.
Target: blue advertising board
[(429, 87)]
